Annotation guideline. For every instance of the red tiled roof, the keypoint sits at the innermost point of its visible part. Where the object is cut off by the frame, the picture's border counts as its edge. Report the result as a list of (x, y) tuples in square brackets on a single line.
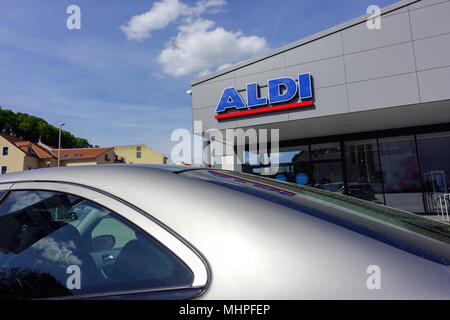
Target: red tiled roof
[(83, 153), (31, 148), (22, 143), (41, 152), (11, 139)]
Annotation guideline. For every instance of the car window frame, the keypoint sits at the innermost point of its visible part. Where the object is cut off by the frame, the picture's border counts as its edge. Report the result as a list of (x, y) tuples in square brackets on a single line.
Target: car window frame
[(173, 242)]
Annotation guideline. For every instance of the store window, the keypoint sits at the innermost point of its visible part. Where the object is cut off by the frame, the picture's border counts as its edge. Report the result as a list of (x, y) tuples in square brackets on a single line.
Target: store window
[(327, 170), (363, 171), (294, 165), (434, 155), (326, 151), (401, 173), (328, 176)]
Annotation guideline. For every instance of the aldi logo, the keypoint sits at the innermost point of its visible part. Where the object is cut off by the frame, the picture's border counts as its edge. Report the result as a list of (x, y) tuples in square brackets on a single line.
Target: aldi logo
[(280, 90)]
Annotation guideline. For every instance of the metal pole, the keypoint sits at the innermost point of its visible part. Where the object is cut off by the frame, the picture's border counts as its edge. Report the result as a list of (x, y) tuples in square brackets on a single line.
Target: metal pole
[(59, 142)]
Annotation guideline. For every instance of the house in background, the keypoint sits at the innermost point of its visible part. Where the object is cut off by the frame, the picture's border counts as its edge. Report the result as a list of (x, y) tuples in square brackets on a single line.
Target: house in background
[(18, 155), (139, 153), (85, 156)]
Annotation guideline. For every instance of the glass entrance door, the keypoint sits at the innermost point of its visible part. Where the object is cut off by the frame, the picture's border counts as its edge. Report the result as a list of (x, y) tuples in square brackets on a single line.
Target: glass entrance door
[(434, 155), (363, 171), (328, 175), (401, 177), (326, 167)]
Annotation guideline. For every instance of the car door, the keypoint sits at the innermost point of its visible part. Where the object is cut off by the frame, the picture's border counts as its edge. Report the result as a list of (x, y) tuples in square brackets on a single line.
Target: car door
[(88, 244)]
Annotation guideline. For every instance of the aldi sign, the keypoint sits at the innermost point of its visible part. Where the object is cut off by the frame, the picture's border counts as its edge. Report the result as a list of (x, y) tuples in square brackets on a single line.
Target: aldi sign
[(280, 90)]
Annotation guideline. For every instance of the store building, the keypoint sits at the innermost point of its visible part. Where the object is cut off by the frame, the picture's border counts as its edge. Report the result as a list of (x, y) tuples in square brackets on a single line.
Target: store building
[(360, 110)]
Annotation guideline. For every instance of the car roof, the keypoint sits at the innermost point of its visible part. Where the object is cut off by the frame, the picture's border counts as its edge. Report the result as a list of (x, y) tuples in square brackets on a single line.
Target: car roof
[(132, 183), (184, 196), (68, 173), (228, 226)]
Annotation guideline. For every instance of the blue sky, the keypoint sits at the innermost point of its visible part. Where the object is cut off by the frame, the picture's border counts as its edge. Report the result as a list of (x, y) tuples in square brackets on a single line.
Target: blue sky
[(122, 80)]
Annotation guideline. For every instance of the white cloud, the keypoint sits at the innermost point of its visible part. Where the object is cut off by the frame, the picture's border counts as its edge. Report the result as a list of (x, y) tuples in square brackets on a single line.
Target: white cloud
[(200, 45), (58, 251), (163, 13)]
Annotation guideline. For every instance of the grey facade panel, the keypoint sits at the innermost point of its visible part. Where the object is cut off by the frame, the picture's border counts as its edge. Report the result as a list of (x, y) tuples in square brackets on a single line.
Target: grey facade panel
[(381, 62), (430, 21), (261, 78), (272, 63), (330, 100), (384, 92), (435, 84), (425, 3), (325, 73), (226, 76), (262, 119), (324, 48), (207, 117), (397, 11), (432, 52), (208, 94), (394, 29)]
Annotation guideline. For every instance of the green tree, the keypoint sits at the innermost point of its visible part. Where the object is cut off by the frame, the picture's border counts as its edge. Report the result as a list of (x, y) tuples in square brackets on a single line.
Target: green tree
[(32, 128)]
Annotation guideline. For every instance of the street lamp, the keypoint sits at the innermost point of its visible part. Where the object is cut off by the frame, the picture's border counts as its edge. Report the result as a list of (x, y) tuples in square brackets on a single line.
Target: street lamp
[(59, 142)]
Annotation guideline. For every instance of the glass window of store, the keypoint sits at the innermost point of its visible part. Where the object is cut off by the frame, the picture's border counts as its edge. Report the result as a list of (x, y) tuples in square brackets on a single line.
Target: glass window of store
[(434, 155), (294, 165), (407, 172), (327, 170), (317, 165), (363, 170), (400, 166)]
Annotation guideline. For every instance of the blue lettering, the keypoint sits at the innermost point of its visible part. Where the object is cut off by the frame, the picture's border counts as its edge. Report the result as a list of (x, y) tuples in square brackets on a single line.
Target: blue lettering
[(279, 90), (275, 94), (304, 84), (253, 96), (230, 99)]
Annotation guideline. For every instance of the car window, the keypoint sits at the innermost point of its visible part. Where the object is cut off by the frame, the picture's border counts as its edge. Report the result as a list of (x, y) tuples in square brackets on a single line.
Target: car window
[(111, 226), (55, 244)]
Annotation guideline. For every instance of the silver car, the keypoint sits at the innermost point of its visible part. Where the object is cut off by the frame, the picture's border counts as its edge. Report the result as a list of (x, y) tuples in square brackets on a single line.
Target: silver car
[(162, 232)]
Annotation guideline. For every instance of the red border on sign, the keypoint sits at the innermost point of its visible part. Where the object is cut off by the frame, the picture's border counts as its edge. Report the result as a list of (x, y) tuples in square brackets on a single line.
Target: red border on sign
[(263, 110)]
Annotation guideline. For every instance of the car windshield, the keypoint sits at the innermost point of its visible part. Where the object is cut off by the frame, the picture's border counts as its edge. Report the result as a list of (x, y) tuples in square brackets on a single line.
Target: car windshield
[(341, 209)]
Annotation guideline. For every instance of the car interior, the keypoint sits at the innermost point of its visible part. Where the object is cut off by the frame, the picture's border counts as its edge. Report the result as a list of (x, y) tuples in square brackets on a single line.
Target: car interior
[(58, 230)]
